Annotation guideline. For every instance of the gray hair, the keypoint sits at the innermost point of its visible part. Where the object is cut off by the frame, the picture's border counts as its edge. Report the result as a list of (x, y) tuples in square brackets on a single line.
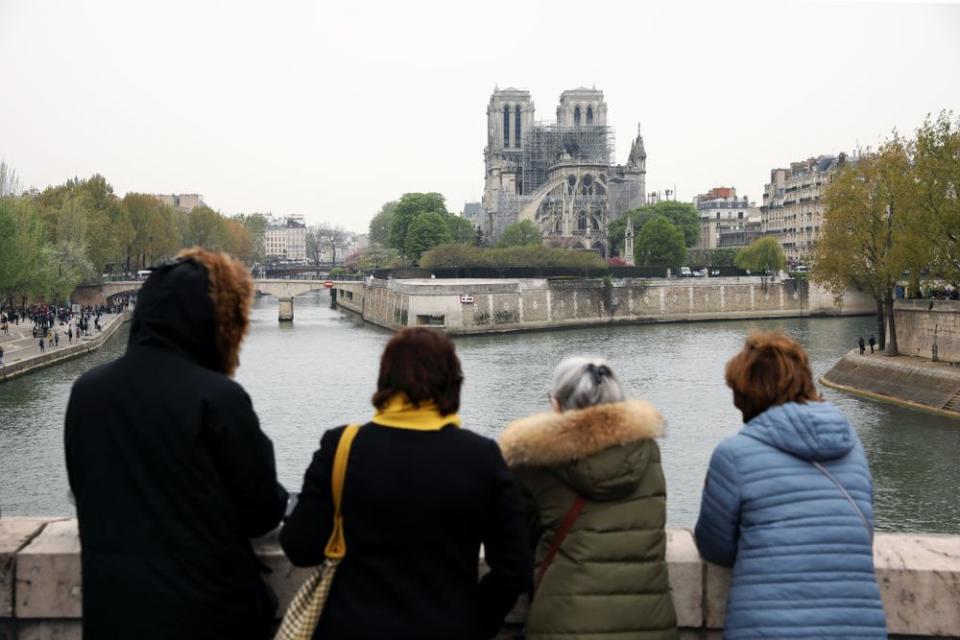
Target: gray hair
[(580, 382)]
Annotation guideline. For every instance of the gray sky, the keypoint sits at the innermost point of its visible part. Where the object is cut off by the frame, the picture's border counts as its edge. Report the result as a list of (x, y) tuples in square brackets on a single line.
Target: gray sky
[(330, 109)]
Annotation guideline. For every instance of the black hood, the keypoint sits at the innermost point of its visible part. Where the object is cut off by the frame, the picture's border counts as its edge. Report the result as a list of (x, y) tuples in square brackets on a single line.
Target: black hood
[(174, 312)]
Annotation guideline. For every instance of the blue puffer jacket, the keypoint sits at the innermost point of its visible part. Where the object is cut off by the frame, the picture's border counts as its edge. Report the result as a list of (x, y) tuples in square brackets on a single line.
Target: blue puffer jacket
[(802, 558)]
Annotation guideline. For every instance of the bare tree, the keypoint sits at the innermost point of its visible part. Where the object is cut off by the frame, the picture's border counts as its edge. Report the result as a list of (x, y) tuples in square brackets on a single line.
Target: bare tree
[(9, 181)]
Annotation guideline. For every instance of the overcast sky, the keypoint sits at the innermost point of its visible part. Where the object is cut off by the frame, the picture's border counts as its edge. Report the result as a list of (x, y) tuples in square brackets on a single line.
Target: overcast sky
[(329, 109)]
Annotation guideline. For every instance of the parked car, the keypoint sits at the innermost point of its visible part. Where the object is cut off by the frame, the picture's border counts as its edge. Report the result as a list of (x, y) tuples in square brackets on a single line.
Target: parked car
[(685, 272)]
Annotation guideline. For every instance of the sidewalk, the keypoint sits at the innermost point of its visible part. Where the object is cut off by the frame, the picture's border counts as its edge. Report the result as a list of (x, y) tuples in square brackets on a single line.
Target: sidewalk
[(21, 351)]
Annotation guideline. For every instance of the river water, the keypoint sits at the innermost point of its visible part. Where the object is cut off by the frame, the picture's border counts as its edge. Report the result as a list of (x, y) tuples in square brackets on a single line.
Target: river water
[(320, 371)]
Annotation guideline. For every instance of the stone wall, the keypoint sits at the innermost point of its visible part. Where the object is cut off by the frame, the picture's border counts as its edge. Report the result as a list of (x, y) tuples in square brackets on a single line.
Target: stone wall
[(485, 306), (921, 324), (40, 587)]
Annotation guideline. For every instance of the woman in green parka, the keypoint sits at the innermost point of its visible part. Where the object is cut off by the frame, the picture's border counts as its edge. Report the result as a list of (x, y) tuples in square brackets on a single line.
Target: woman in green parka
[(592, 467)]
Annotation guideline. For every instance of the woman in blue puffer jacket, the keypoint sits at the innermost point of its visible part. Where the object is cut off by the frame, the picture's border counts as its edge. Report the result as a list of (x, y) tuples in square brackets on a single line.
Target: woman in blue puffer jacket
[(788, 503)]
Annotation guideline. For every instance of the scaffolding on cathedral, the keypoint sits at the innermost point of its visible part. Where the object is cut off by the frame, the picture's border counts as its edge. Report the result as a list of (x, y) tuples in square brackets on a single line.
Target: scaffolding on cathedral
[(545, 145)]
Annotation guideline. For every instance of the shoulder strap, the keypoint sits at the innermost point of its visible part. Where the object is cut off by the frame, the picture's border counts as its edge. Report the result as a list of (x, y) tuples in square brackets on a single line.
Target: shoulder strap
[(558, 538), (337, 545), (853, 503)]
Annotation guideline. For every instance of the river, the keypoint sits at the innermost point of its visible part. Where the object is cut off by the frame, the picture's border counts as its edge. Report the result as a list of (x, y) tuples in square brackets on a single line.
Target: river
[(320, 371)]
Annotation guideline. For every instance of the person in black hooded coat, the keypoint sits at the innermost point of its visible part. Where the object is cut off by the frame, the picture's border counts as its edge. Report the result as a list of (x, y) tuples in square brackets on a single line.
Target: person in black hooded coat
[(170, 471)]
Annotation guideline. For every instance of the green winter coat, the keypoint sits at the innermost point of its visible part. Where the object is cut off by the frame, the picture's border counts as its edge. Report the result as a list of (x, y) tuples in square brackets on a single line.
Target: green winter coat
[(609, 579)]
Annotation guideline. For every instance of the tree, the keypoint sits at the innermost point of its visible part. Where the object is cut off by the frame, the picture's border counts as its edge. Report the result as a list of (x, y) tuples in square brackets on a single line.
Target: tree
[(427, 230), (407, 209), (866, 229), (761, 256), (660, 243), (461, 229), (682, 215), (256, 226), (521, 234), (204, 229), (381, 223), (936, 170), (9, 181)]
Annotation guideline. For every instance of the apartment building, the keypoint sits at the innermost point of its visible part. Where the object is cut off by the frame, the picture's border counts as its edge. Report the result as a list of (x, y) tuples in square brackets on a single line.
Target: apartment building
[(725, 219), (792, 209)]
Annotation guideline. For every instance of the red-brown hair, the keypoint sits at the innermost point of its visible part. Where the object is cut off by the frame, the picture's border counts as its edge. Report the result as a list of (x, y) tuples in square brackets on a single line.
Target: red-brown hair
[(423, 365), (772, 369), (231, 291)]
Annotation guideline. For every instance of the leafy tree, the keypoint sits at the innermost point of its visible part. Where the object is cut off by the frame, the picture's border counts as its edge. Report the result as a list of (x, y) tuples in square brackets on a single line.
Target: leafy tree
[(204, 229), (256, 226), (408, 208), (683, 215), (461, 230), (660, 243), (761, 256), (427, 231), (381, 223), (521, 234), (866, 228), (936, 171)]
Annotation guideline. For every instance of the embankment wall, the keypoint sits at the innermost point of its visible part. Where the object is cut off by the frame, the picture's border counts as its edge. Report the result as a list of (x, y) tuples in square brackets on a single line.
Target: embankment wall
[(41, 597), (483, 306), (923, 324)]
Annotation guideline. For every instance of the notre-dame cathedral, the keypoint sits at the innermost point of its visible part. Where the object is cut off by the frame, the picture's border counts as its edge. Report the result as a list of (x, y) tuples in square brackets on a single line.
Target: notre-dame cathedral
[(559, 175)]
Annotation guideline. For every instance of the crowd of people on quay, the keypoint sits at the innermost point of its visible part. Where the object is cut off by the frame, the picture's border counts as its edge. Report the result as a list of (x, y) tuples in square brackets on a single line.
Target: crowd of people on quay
[(51, 323), (172, 476)]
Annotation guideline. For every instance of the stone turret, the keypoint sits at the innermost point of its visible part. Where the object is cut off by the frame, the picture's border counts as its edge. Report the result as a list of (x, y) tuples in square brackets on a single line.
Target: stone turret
[(638, 155), (628, 243)]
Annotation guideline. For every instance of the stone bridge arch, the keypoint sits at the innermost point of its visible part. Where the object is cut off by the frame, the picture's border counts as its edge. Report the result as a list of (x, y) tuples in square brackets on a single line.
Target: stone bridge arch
[(285, 291), (96, 294)]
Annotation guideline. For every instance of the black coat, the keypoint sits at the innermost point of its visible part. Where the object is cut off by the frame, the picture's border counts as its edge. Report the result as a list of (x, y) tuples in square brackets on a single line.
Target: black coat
[(172, 476), (416, 506)]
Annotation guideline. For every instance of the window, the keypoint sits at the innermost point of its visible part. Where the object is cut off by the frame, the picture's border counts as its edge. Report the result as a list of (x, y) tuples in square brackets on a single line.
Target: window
[(431, 320), (516, 129), (582, 221), (506, 126), (596, 223), (576, 116), (589, 115), (740, 215)]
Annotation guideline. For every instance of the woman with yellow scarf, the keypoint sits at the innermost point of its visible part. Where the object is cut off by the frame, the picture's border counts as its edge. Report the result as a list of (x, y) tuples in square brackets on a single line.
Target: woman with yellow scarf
[(420, 496)]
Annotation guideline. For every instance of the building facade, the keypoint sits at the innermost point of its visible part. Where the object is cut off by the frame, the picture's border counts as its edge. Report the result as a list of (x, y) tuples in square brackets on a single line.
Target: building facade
[(185, 202), (559, 175), (726, 220), (792, 209), (286, 238)]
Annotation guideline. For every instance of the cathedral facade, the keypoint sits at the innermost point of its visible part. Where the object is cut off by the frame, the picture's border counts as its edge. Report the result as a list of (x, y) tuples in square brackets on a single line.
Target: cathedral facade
[(561, 175)]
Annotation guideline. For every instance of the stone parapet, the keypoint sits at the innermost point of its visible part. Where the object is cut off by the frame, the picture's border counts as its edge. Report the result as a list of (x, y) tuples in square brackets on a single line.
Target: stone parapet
[(919, 577)]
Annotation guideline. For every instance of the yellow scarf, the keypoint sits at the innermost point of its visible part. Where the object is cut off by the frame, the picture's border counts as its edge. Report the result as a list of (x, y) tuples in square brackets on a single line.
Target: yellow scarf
[(401, 414)]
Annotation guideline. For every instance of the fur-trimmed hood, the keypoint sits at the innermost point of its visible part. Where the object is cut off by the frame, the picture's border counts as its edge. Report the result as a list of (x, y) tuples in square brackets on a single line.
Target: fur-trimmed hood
[(602, 452), (551, 439), (197, 306)]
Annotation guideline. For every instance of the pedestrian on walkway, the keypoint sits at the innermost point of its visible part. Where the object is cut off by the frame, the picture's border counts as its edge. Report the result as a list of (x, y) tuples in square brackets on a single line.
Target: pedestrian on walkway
[(56, 338), (1, 356), (41, 344), (170, 471), (70, 334), (862, 345), (873, 341)]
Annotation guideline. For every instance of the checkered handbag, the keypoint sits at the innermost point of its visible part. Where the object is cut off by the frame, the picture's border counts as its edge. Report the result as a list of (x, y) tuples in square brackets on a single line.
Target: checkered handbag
[(303, 614)]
